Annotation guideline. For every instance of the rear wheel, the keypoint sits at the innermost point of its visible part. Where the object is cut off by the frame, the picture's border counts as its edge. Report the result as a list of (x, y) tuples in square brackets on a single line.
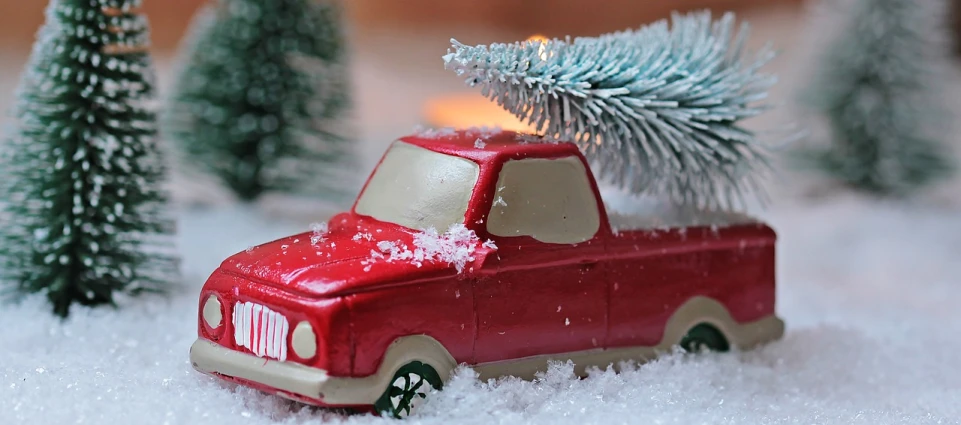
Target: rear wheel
[(704, 337), (408, 388)]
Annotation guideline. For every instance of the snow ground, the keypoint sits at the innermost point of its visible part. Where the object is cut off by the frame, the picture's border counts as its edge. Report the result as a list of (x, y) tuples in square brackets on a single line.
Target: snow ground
[(869, 291)]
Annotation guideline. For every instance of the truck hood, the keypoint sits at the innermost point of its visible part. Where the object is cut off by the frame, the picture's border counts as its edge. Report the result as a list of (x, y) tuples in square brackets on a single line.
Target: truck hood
[(354, 254)]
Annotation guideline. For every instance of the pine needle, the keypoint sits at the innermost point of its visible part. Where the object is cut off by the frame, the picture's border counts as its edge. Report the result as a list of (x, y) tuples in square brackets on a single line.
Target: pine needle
[(657, 110)]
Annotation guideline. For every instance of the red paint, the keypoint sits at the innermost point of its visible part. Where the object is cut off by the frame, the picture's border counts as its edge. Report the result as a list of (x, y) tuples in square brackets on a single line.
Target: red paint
[(527, 298)]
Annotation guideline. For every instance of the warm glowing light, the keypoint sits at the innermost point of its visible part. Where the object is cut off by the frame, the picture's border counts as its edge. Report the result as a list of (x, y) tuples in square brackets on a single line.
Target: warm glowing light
[(471, 109), (542, 48)]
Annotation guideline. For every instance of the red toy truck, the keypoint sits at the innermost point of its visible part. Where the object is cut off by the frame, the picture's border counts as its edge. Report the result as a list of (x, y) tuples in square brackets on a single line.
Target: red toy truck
[(484, 248)]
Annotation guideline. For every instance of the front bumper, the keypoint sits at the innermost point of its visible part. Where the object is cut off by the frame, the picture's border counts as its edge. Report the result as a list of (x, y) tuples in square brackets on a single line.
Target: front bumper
[(293, 380)]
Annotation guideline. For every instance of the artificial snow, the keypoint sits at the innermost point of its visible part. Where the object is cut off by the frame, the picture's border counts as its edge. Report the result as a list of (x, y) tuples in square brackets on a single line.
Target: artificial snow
[(434, 133), (317, 232), (869, 292), (456, 246), (483, 132)]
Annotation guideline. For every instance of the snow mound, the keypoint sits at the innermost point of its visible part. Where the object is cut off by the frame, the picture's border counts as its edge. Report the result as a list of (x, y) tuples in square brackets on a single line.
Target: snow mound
[(870, 341), (456, 246), (434, 133), (438, 133)]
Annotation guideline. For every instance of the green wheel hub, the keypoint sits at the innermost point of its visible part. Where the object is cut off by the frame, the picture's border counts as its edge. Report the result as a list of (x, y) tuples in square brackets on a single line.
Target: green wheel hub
[(408, 388), (704, 337)]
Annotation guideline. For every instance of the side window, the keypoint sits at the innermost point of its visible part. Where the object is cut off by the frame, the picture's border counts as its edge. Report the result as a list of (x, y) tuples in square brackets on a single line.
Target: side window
[(550, 200)]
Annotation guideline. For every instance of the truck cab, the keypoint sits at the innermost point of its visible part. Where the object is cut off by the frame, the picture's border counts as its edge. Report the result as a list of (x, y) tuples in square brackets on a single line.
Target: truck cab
[(486, 248)]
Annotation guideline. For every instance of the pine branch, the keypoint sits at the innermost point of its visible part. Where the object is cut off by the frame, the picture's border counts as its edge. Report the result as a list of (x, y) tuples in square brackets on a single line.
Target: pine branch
[(656, 110)]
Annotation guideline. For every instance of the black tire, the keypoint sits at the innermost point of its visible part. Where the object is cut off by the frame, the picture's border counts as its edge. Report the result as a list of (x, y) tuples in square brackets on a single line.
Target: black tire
[(407, 388), (704, 337)]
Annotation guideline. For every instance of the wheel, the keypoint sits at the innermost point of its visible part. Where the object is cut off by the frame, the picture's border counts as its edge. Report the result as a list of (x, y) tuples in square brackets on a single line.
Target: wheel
[(407, 389), (704, 337)]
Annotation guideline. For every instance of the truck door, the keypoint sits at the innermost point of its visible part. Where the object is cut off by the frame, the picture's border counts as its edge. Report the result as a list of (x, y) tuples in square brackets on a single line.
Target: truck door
[(549, 293)]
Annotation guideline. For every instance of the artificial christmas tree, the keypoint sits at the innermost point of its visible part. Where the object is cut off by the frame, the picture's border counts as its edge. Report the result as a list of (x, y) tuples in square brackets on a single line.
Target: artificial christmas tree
[(873, 92), (656, 110), (261, 98), (82, 202)]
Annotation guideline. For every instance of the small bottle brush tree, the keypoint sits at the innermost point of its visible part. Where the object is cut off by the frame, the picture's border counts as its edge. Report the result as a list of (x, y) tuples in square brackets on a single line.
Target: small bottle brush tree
[(262, 94), (82, 205), (656, 110), (873, 92)]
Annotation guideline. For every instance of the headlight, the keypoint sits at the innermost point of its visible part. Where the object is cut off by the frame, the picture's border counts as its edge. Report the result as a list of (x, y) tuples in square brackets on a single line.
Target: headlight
[(213, 313), (304, 341)]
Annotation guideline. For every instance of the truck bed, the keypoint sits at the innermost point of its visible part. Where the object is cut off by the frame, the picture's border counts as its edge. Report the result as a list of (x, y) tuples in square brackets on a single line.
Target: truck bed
[(644, 214)]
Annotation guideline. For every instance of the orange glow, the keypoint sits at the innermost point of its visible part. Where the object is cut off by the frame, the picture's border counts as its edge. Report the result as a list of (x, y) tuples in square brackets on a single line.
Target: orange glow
[(542, 49), (466, 110), (471, 109)]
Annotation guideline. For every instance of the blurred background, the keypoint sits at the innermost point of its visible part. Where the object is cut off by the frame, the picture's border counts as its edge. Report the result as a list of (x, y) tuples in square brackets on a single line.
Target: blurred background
[(395, 49)]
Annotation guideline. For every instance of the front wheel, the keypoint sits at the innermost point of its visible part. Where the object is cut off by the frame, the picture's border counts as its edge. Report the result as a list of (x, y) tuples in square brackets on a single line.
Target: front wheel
[(704, 337), (407, 389)]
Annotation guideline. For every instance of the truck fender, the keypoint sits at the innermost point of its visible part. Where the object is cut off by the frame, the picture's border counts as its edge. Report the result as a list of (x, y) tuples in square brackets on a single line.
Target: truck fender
[(403, 350), (701, 309), (421, 348)]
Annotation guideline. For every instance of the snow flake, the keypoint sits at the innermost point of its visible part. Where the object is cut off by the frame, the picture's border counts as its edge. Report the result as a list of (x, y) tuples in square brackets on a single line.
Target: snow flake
[(485, 131), (500, 201), (363, 235), (318, 230), (479, 144), (41, 234)]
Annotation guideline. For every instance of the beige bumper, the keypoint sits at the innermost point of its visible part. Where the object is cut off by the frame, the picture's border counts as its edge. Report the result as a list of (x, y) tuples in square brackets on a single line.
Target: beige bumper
[(208, 357), (313, 383)]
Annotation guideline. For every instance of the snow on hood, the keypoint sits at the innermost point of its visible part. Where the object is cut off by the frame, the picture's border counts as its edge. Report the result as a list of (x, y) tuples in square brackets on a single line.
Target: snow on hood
[(456, 247), (353, 251)]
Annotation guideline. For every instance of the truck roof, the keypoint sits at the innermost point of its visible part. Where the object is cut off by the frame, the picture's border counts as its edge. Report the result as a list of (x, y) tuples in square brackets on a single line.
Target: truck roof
[(483, 145)]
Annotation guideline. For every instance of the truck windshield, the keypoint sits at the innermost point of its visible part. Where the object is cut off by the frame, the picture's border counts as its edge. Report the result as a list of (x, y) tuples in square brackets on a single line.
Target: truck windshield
[(418, 188)]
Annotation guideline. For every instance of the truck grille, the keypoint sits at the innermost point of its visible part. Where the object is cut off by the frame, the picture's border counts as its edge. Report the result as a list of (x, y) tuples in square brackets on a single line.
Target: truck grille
[(261, 330)]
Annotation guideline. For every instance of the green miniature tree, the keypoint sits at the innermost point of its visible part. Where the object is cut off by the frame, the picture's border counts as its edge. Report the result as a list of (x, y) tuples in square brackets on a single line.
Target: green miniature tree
[(262, 95), (657, 110), (873, 92), (82, 204)]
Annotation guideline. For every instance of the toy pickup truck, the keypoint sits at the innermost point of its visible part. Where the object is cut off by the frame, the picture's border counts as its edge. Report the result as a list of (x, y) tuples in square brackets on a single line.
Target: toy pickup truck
[(490, 249)]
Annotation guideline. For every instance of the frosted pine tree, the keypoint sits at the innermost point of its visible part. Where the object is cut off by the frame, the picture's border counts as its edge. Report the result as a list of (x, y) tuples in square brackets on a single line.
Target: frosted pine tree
[(261, 98), (82, 205), (873, 92), (657, 110)]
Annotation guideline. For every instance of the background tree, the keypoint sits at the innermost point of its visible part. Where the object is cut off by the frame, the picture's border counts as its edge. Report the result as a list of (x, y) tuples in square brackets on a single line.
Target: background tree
[(657, 110), (82, 199), (873, 90), (262, 94)]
